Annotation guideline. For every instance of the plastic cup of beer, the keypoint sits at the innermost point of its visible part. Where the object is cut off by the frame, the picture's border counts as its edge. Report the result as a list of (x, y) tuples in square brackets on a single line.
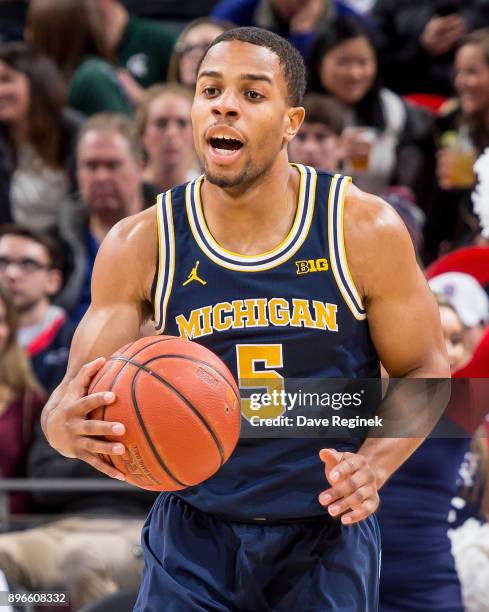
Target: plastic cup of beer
[(463, 161), (462, 157), (363, 139)]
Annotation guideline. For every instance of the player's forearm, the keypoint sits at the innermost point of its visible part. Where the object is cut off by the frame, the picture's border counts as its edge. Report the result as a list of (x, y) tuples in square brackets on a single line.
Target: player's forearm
[(386, 455), (410, 409)]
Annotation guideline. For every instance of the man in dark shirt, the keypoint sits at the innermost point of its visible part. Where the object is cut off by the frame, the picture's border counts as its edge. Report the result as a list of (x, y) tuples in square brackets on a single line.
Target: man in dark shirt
[(109, 172)]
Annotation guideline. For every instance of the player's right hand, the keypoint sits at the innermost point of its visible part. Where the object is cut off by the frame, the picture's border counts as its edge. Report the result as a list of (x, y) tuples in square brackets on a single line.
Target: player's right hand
[(71, 433)]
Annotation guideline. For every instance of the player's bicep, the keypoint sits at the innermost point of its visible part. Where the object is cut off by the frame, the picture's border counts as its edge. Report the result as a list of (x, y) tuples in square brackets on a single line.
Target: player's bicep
[(403, 317), (119, 305), (404, 324)]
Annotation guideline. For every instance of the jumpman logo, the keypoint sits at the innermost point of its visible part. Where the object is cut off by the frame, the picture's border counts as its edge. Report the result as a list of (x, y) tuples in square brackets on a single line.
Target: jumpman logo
[(193, 276)]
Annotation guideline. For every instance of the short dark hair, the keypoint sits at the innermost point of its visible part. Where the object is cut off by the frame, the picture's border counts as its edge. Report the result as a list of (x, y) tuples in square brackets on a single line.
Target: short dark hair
[(290, 59), (325, 110), (51, 247)]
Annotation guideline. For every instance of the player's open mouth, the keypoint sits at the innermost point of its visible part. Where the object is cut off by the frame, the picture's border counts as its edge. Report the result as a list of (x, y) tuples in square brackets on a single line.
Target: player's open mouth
[(224, 145), (224, 150)]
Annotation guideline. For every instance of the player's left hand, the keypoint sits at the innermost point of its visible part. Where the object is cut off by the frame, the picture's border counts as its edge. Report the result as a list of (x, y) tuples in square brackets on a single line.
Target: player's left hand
[(354, 491)]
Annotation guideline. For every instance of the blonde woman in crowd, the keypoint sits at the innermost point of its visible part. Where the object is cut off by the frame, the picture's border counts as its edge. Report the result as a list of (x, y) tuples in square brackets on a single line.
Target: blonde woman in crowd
[(190, 47), (163, 123)]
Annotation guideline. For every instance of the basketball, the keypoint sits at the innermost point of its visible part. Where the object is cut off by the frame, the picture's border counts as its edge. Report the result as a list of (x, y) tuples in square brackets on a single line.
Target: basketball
[(180, 406)]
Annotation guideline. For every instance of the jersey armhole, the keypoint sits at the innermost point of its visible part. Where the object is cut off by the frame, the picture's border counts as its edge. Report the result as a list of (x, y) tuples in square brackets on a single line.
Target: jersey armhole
[(337, 250), (165, 270)]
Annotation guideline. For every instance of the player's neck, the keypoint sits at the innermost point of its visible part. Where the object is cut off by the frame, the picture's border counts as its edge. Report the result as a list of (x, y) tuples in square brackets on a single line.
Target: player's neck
[(257, 219)]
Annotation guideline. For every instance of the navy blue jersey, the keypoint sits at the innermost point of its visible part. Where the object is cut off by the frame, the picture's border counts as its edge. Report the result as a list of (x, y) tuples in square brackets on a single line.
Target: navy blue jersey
[(290, 313)]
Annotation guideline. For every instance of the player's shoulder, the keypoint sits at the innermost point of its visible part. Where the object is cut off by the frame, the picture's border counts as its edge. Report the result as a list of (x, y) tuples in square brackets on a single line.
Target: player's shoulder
[(133, 234), (376, 240), (125, 260), (370, 217)]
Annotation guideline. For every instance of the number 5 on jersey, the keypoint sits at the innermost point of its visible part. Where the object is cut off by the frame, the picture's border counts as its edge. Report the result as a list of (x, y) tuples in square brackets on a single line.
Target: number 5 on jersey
[(265, 380)]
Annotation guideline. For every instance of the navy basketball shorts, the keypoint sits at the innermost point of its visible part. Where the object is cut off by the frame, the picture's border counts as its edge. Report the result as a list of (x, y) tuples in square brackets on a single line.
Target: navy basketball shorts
[(196, 561)]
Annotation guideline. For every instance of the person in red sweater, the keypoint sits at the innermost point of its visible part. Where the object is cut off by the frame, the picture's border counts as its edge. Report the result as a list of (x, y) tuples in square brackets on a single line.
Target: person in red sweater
[(21, 401)]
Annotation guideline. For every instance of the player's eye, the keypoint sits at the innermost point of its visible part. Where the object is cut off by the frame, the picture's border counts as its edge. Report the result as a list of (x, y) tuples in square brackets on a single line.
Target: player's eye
[(210, 92), (253, 95)]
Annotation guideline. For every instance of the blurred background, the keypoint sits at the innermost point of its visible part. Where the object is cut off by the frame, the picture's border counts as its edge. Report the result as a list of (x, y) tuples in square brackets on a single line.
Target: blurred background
[(95, 101)]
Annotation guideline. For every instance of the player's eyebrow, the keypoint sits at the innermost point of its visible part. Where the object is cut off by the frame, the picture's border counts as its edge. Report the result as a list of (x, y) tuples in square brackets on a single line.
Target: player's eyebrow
[(243, 77), (255, 77), (210, 73)]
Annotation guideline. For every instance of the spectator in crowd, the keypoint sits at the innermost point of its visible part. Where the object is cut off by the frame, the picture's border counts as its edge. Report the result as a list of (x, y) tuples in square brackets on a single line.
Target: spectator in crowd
[(165, 130), (93, 549), (190, 47), (37, 138), (418, 568), (142, 46), (72, 34), (318, 142), (21, 401), (30, 269), (388, 142), (470, 300), (417, 40), (296, 20), (462, 134), (109, 162)]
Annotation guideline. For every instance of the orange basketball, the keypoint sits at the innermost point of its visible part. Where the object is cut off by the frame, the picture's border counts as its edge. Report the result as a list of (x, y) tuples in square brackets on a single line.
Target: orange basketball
[(180, 406)]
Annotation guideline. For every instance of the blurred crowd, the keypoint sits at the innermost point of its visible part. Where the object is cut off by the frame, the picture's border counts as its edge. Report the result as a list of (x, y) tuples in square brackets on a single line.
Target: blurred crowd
[(95, 102)]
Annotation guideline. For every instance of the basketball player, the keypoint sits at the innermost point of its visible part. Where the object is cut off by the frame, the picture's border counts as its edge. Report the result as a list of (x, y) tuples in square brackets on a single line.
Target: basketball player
[(265, 532)]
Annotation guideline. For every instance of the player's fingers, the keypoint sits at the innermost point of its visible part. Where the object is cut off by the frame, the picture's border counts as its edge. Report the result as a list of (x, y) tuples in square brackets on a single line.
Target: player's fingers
[(84, 405), (88, 427), (351, 501), (345, 488), (102, 466), (361, 512), (82, 380), (349, 464), (330, 457), (101, 447)]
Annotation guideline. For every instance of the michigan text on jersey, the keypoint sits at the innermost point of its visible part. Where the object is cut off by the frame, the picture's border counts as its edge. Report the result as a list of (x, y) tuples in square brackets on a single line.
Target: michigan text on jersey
[(258, 312)]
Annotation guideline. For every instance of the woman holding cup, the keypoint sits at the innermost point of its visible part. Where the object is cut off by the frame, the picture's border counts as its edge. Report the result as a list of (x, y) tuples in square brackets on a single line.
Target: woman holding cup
[(468, 133), (387, 142), (463, 133)]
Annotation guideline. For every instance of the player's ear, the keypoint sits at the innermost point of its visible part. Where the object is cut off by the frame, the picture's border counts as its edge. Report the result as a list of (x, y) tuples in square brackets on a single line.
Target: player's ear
[(293, 121)]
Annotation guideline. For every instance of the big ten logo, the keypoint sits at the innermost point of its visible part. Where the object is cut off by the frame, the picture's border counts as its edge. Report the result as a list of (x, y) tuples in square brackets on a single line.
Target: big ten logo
[(312, 265)]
